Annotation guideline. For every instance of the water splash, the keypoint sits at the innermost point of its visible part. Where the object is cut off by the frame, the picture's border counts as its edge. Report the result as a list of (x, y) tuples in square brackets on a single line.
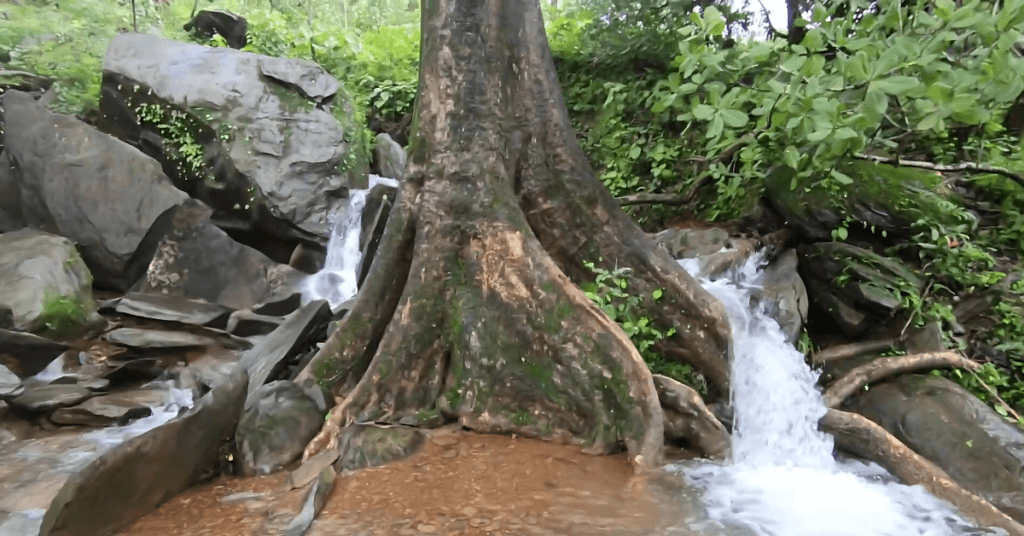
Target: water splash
[(337, 280), (782, 479)]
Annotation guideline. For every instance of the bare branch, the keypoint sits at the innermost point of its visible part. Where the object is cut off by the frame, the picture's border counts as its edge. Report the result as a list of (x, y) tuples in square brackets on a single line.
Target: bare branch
[(860, 436), (885, 367), (963, 166), (856, 349)]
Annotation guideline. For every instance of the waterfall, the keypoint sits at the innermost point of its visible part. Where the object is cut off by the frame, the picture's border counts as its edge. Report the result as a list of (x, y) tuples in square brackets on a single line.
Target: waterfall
[(337, 280), (782, 478)]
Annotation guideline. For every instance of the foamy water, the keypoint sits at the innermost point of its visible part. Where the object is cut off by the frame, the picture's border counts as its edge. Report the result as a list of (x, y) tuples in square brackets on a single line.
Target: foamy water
[(782, 478), (337, 280)]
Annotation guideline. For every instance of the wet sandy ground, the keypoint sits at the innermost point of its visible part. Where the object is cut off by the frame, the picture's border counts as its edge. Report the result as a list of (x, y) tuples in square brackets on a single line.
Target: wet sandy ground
[(459, 483)]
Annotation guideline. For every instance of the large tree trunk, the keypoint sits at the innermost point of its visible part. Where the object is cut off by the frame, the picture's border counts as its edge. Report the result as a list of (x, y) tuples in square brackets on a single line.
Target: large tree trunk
[(471, 308)]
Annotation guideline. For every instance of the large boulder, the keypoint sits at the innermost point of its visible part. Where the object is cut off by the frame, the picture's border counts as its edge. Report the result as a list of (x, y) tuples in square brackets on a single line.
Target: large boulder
[(84, 185), (45, 284), (941, 421), (855, 286), (390, 156), (195, 259), (10, 197), (279, 420), (881, 198), (251, 136), (784, 291)]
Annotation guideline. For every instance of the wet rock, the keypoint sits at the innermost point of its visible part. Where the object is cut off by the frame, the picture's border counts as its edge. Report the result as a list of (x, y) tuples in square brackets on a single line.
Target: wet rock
[(784, 290), (87, 186), (286, 342), (194, 259), (26, 354), (306, 259), (275, 157), (149, 468), (156, 338), (114, 408), (172, 309), (688, 419), (11, 218), (228, 25), (943, 422), (6, 317), (50, 397), (10, 383), (45, 283), (391, 157), (142, 369), (925, 339), (372, 445), (715, 250), (278, 423), (279, 306), (867, 285), (375, 218), (316, 499), (208, 370), (248, 324)]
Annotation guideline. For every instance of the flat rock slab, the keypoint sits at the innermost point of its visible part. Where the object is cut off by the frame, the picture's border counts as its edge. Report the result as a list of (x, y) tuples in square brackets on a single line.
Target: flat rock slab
[(50, 397), (173, 309), (112, 408), (27, 354), (156, 338), (10, 383), (284, 342)]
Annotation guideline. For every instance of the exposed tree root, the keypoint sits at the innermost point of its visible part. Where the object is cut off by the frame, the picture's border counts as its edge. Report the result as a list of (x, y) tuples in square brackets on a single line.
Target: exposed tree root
[(860, 436), (688, 419), (849, 351), (885, 367)]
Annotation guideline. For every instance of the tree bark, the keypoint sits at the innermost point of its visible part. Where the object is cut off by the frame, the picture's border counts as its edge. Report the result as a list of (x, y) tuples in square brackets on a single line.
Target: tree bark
[(860, 436), (885, 367), (471, 310)]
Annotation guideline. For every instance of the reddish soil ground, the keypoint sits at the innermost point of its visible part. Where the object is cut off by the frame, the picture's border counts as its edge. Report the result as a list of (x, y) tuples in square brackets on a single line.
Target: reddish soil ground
[(459, 483)]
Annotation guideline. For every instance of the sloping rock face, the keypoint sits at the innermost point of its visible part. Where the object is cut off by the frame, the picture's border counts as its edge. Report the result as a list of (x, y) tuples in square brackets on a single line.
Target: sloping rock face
[(941, 421), (136, 476), (82, 184), (854, 285), (10, 198), (45, 283), (251, 136), (197, 260)]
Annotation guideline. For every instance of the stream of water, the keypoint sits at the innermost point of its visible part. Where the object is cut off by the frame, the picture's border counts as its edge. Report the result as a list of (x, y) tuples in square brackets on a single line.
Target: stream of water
[(782, 478), (337, 280)]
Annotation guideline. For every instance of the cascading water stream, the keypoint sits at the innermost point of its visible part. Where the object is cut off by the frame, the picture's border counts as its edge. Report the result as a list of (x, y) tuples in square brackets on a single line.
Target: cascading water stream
[(337, 280), (782, 479)]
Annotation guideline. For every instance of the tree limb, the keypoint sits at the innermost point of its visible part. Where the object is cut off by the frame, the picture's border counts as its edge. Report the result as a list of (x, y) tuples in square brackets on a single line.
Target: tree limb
[(856, 349), (885, 367), (963, 166), (860, 436)]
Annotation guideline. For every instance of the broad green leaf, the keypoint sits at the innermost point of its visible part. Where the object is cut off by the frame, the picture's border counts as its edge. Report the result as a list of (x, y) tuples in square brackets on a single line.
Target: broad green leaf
[(793, 64), (895, 85), (846, 133), (818, 13), (716, 127), (734, 118), (841, 178), (703, 112), (634, 152), (940, 92), (818, 135), (962, 103), (792, 157), (944, 9), (930, 122), (876, 101)]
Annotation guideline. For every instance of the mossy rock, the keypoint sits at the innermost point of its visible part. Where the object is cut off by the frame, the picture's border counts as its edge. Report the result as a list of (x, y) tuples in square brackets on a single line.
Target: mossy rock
[(372, 445), (881, 199)]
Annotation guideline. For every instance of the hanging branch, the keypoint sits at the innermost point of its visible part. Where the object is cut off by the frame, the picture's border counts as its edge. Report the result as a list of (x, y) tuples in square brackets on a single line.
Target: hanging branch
[(885, 367), (963, 166), (135, 24)]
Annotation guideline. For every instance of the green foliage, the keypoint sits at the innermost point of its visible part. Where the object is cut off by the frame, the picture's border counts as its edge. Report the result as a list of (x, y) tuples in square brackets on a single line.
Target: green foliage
[(179, 129), (609, 291), (62, 315)]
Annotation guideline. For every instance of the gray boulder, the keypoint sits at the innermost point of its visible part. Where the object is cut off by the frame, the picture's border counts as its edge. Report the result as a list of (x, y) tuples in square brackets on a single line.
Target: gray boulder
[(171, 309), (11, 218), (84, 185), (195, 259), (113, 408), (50, 397), (391, 157), (279, 420), (45, 284), (941, 421), (282, 346), (256, 138), (784, 290), (27, 354), (715, 250)]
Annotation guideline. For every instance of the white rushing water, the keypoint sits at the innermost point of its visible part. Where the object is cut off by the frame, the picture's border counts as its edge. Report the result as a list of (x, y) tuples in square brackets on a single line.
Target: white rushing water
[(782, 479), (337, 280)]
